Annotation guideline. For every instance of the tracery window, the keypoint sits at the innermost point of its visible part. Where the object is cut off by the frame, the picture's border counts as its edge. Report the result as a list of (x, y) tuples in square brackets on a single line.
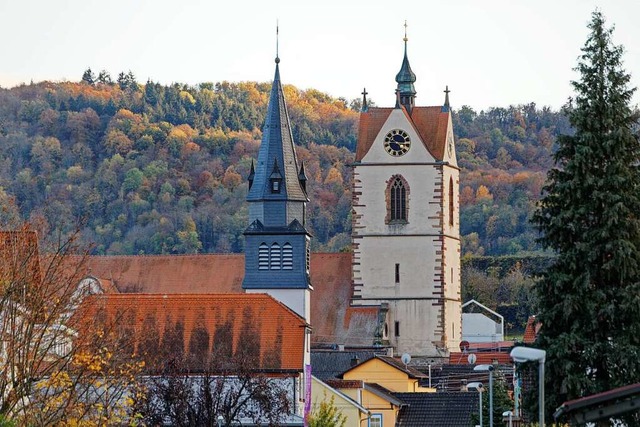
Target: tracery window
[(397, 200)]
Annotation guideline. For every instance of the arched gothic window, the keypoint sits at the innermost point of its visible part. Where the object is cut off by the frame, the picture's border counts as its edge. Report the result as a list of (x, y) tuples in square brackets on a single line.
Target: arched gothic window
[(451, 204), (397, 196)]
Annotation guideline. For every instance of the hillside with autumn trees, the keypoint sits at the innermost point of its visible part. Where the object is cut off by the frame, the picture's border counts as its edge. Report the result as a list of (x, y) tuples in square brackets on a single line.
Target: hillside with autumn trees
[(155, 169)]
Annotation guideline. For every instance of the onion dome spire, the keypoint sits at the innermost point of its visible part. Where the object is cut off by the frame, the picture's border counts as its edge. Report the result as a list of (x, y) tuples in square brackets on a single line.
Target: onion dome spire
[(406, 78)]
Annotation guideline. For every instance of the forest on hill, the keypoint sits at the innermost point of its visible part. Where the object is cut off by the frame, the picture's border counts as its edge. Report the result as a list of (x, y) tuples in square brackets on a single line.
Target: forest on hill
[(156, 169)]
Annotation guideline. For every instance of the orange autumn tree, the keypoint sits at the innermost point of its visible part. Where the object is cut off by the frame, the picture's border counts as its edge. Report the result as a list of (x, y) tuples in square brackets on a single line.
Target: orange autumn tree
[(56, 372)]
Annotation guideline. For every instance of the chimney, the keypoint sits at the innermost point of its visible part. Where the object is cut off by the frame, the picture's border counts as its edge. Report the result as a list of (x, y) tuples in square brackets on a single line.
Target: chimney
[(355, 360)]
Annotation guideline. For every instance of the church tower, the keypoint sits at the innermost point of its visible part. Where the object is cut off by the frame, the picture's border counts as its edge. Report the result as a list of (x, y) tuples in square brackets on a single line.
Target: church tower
[(406, 236), (276, 241)]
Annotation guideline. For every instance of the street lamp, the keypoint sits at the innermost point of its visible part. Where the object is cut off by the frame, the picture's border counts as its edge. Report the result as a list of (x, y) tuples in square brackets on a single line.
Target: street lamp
[(479, 387), (530, 354), (510, 415), (220, 420), (488, 368)]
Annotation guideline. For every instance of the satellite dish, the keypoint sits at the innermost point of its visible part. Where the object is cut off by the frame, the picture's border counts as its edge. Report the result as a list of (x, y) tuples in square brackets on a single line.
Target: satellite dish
[(406, 358), (471, 359)]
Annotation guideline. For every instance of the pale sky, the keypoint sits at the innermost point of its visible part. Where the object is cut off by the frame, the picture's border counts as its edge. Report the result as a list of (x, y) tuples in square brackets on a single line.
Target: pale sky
[(489, 52)]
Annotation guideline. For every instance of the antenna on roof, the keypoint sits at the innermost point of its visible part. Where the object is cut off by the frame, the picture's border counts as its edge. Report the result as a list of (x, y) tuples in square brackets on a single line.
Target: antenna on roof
[(277, 42), (406, 358)]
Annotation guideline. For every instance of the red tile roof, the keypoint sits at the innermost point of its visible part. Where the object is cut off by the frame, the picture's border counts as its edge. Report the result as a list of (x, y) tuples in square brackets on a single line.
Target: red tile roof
[(495, 346), (430, 123), (531, 330), (201, 327), (332, 318), (20, 257), (171, 273), (482, 358)]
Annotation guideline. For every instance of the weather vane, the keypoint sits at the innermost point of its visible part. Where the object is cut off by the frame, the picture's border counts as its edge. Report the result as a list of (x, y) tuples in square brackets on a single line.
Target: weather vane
[(277, 41)]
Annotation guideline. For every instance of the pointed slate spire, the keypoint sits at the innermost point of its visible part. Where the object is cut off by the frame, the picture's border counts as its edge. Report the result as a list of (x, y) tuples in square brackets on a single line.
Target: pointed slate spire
[(406, 78), (446, 107), (276, 242), (277, 147)]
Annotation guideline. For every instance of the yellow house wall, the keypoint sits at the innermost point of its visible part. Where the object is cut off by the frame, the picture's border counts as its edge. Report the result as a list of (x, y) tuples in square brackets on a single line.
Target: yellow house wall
[(377, 405), (320, 392), (376, 371)]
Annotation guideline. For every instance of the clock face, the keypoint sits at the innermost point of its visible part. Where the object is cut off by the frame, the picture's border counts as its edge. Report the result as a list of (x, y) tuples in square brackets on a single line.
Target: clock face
[(397, 142)]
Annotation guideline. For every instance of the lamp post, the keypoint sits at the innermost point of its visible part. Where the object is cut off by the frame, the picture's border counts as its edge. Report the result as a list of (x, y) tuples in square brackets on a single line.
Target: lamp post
[(510, 415), (489, 368), (220, 420), (479, 387), (530, 354)]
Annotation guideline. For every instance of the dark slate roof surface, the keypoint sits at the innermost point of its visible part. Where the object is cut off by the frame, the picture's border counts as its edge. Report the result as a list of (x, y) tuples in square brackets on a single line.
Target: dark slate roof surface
[(277, 147), (327, 365), (443, 409)]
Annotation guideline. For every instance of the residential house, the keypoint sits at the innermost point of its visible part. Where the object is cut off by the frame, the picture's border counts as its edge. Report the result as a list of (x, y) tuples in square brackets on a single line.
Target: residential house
[(354, 413)]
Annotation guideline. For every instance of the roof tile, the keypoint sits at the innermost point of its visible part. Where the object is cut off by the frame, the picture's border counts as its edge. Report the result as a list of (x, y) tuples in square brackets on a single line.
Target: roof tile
[(332, 318), (431, 123), (201, 327)]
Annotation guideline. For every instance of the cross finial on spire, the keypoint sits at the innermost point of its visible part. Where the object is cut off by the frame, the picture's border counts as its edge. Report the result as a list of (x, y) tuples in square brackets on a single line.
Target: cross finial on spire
[(365, 107), (445, 107), (405, 31), (277, 42)]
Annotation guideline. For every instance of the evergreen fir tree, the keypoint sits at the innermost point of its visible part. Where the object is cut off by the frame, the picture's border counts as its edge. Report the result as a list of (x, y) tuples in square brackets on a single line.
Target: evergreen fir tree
[(104, 77), (589, 299), (88, 77)]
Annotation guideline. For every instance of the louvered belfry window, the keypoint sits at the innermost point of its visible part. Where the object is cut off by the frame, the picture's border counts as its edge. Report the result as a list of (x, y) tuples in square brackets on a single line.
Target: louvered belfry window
[(287, 256), (275, 257), (263, 256), (398, 200)]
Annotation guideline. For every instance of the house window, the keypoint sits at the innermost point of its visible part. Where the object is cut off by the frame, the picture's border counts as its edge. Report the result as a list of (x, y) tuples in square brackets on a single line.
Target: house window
[(287, 256), (397, 273), (274, 261), (451, 206), (275, 186), (263, 256), (375, 420), (397, 196), (397, 324)]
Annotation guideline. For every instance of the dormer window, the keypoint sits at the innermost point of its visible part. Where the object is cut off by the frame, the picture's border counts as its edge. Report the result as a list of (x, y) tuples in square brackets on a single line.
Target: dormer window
[(275, 178)]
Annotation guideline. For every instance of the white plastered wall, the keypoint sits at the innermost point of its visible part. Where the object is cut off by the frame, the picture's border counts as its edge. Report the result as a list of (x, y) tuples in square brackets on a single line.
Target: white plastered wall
[(427, 247)]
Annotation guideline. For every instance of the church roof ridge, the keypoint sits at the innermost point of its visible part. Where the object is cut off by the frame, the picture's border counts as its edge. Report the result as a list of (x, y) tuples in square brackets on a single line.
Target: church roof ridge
[(429, 122)]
